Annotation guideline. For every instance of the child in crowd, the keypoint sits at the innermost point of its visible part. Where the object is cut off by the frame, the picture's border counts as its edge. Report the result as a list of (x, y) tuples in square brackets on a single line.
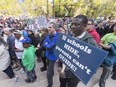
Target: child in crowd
[(28, 60)]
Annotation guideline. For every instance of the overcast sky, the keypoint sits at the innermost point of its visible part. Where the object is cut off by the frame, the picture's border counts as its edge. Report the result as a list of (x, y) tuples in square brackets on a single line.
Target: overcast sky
[(50, 0)]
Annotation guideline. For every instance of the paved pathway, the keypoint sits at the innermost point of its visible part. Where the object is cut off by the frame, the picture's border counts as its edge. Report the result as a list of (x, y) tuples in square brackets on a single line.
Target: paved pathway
[(42, 82)]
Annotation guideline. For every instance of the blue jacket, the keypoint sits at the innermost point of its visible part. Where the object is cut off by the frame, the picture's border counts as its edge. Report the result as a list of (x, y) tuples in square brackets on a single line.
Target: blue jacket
[(111, 57), (25, 34), (11, 44), (113, 48), (49, 43)]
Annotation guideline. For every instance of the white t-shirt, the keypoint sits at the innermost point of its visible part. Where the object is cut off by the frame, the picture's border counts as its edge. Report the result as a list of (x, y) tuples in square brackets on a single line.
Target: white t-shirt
[(19, 46)]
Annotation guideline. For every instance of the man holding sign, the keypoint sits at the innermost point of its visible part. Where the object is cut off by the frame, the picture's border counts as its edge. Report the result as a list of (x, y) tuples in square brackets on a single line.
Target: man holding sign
[(78, 26), (73, 52)]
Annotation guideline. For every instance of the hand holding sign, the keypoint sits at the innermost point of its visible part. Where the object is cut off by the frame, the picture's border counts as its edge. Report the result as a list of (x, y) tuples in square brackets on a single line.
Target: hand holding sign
[(79, 56)]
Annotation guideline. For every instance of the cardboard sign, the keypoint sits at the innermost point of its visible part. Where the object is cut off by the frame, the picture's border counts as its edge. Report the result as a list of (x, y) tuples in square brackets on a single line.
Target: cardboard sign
[(42, 22), (81, 58)]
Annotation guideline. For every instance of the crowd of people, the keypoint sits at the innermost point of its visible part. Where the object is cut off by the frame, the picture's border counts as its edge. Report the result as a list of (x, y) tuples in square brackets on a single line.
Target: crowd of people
[(21, 44)]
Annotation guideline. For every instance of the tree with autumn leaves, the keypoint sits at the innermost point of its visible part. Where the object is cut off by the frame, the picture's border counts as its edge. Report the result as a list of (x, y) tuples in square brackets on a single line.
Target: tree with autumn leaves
[(91, 8), (27, 7)]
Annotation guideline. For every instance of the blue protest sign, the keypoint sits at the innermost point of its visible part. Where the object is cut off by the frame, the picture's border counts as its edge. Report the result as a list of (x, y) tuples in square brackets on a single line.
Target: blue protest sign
[(81, 58)]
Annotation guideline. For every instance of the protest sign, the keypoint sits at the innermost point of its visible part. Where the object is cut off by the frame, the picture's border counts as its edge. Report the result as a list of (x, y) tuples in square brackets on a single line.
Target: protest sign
[(42, 21), (81, 58)]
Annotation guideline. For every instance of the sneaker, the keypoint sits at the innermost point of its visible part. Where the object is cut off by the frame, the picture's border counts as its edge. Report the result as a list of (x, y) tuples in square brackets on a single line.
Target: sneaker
[(34, 78), (101, 84), (27, 80), (114, 77), (43, 69)]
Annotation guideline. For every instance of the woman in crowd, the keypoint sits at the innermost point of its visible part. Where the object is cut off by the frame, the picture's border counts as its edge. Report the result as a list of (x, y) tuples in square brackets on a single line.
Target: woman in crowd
[(5, 59), (42, 50), (61, 66), (105, 41)]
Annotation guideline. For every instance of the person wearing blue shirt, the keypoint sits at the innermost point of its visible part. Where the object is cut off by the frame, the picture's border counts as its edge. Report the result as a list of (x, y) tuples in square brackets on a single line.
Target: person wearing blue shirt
[(49, 43)]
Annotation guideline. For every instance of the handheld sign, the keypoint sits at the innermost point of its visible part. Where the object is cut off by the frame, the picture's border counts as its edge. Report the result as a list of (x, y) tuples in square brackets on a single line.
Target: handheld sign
[(42, 22), (81, 58)]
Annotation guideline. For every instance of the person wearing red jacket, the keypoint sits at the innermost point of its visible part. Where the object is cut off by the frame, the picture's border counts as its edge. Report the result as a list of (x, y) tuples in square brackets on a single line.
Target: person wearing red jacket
[(92, 31)]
